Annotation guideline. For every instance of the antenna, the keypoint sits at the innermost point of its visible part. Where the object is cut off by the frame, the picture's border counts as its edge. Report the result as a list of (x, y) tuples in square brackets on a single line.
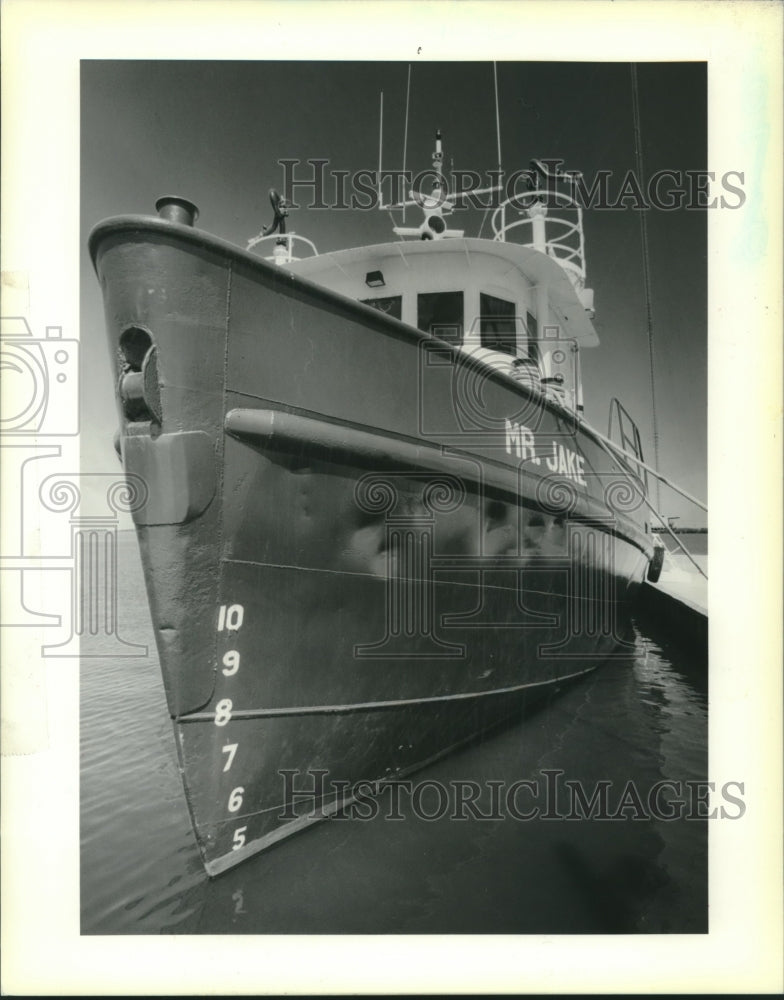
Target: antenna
[(405, 138), (380, 144), (498, 140), (497, 118)]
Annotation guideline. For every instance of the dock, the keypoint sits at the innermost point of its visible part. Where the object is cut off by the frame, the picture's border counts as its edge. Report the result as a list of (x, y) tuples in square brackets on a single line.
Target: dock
[(679, 601)]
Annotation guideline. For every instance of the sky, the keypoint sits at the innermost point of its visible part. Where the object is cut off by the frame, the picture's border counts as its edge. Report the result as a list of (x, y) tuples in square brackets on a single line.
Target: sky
[(215, 132)]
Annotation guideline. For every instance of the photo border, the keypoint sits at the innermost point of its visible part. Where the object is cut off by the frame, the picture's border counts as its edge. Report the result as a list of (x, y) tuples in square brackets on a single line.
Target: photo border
[(42, 44)]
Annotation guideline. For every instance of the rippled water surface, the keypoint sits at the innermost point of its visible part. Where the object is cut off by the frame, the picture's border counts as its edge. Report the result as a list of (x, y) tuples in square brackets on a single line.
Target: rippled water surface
[(640, 719)]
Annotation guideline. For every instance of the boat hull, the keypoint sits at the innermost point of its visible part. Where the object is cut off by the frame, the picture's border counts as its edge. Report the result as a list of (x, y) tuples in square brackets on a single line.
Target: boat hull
[(361, 548)]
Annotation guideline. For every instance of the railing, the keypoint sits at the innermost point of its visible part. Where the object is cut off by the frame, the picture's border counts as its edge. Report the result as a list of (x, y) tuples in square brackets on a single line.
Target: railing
[(633, 457), (628, 438), (283, 252), (558, 235)]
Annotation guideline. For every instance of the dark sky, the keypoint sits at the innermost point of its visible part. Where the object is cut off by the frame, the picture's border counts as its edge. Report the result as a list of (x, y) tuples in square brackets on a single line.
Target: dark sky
[(215, 131)]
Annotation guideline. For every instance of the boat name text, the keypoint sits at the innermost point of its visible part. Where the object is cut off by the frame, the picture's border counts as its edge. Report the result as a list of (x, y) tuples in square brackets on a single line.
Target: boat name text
[(520, 441)]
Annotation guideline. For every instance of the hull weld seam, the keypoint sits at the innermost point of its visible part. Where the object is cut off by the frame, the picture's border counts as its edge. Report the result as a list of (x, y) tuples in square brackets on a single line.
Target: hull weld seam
[(369, 706)]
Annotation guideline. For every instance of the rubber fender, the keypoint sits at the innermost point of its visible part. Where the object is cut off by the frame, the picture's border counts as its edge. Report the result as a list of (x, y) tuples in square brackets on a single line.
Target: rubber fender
[(656, 563)]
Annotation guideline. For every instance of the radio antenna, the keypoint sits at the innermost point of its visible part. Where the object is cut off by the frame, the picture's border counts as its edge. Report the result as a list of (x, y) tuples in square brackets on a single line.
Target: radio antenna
[(405, 138), (380, 146), (498, 140), (497, 119)]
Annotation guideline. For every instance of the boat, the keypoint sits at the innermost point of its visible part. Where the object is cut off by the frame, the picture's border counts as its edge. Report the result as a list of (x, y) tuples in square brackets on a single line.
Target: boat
[(373, 520)]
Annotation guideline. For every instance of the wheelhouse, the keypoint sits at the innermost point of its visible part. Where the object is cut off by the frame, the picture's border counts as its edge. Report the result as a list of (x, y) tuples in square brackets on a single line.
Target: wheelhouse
[(497, 301), (518, 302)]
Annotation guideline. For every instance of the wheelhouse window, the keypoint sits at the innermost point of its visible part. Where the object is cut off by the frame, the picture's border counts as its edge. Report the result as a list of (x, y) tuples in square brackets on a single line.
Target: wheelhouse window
[(497, 324), (532, 329), (441, 315), (392, 305)]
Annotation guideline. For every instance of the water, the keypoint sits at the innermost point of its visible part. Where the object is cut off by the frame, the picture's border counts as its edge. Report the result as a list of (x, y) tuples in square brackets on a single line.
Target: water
[(640, 719)]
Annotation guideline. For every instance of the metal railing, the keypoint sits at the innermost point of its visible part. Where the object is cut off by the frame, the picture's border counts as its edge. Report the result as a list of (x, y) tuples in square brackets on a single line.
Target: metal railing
[(283, 243), (621, 454), (561, 221)]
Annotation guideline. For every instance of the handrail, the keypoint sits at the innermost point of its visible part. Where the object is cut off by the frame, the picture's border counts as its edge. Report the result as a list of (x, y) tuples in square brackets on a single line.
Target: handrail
[(564, 225), (556, 200), (675, 538), (627, 438), (571, 230), (648, 468), (607, 444), (288, 238)]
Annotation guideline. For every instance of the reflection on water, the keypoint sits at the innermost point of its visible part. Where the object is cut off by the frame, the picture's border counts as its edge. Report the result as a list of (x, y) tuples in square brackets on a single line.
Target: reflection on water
[(640, 720)]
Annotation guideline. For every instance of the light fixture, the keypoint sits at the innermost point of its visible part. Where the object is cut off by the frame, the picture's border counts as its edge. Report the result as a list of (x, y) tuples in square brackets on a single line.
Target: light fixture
[(374, 279)]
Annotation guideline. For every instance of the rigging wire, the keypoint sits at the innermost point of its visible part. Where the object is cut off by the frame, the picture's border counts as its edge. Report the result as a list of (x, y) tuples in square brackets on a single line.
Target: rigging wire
[(646, 273)]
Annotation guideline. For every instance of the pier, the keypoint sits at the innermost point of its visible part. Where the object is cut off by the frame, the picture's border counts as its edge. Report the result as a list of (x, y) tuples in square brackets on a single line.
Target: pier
[(679, 602)]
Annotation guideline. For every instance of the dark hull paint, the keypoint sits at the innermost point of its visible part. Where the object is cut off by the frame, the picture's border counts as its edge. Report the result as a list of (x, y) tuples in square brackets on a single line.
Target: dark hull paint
[(404, 580)]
